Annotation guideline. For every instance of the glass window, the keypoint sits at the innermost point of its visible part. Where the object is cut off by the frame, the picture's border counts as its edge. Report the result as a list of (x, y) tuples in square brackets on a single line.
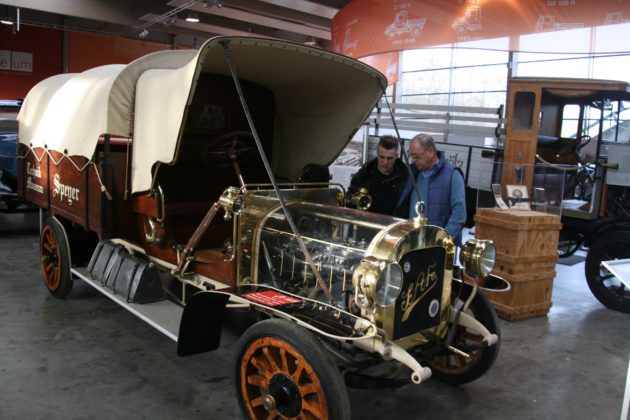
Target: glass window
[(615, 122), (577, 68), (623, 128), (612, 68), (592, 116), (612, 37), (570, 118), (426, 58), (570, 41), (523, 110), (423, 82), (487, 51), (467, 74), (426, 99), (483, 99), (483, 78)]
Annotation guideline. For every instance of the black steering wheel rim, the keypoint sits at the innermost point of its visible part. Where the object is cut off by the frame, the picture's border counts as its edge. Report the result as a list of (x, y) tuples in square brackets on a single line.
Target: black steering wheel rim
[(221, 149), (573, 146)]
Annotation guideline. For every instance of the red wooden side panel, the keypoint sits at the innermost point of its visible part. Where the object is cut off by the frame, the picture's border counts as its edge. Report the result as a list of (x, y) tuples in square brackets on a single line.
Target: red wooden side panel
[(71, 188), (34, 176), (68, 188)]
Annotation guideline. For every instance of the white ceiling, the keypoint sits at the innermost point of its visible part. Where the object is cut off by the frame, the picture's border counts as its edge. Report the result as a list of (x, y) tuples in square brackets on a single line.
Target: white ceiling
[(293, 20)]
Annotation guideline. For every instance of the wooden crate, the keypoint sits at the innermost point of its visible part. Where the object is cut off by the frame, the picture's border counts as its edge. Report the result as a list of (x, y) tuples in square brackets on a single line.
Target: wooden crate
[(519, 233), (527, 243), (530, 296), (508, 265)]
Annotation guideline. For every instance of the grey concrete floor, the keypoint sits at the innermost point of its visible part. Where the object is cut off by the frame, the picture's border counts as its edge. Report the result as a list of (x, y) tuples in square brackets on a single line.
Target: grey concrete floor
[(84, 357)]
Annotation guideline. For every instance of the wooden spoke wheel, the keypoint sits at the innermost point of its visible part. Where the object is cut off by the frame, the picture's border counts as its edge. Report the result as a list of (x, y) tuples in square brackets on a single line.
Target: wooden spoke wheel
[(54, 257), (456, 369), (606, 286), (283, 373)]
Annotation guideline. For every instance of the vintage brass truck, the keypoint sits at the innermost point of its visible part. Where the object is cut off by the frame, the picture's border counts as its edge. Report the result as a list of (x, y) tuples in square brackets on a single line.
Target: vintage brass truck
[(170, 187)]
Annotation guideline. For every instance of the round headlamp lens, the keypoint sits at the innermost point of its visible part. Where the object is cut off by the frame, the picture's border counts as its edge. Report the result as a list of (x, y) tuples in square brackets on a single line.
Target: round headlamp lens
[(389, 284), (478, 257), (487, 258)]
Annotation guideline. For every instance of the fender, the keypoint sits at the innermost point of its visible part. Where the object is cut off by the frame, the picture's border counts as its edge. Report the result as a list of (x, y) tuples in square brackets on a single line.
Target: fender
[(201, 323), (200, 326), (605, 227)]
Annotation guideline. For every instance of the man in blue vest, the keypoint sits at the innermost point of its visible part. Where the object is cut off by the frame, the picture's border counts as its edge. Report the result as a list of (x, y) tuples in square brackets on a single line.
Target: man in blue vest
[(441, 187)]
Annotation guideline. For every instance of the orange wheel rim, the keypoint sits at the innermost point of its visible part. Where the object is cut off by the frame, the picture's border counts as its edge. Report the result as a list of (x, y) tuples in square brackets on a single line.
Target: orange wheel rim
[(278, 383), (454, 363), (49, 258)]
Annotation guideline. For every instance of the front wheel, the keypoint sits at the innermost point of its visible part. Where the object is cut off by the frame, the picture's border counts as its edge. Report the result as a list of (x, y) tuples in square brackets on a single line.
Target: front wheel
[(283, 372), (606, 287), (456, 369), (54, 257)]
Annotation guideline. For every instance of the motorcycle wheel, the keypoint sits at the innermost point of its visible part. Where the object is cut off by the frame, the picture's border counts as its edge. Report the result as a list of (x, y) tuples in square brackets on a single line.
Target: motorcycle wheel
[(456, 369), (604, 285)]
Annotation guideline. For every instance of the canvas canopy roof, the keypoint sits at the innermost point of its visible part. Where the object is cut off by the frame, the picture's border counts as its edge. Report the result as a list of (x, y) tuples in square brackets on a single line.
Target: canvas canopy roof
[(321, 99)]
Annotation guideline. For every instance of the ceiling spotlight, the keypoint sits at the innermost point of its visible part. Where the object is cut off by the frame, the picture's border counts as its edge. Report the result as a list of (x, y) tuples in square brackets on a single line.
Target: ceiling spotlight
[(211, 3), (144, 33), (6, 21), (192, 17), (170, 21)]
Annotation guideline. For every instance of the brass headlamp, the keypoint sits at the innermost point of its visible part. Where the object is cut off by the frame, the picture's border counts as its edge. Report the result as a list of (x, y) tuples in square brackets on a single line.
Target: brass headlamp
[(478, 257), (361, 199), (378, 281)]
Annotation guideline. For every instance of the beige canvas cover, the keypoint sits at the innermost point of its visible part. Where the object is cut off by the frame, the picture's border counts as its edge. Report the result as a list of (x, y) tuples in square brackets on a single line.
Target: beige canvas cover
[(321, 99)]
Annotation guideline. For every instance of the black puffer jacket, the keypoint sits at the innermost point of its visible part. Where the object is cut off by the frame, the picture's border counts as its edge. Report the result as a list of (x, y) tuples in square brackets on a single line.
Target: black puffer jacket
[(385, 190)]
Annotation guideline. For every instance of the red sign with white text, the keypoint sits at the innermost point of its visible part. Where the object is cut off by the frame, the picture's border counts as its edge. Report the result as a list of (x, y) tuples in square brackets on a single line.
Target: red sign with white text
[(271, 298)]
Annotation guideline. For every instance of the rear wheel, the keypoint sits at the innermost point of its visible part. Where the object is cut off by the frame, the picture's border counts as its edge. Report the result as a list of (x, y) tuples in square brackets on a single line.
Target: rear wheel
[(54, 257), (606, 287), (283, 372), (456, 369)]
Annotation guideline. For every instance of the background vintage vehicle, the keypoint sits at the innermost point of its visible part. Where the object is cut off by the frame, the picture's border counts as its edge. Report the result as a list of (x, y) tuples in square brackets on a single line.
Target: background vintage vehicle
[(181, 218), (571, 137), (9, 200)]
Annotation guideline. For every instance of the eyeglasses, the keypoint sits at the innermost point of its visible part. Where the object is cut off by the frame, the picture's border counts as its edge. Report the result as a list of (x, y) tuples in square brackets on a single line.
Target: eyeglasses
[(418, 155)]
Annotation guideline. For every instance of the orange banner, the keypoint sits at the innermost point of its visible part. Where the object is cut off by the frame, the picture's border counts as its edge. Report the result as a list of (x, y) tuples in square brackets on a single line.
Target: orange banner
[(385, 63), (368, 27)]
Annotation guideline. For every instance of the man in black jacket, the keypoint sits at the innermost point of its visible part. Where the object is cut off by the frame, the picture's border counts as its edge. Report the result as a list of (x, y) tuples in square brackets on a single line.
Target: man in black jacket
[(384, 177)]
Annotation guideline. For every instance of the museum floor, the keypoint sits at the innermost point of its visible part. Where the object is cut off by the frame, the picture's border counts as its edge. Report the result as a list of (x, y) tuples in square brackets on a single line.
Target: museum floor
[(86, 358)]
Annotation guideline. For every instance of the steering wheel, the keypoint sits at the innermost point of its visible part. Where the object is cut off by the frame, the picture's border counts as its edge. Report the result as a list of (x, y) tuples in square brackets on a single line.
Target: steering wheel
[(222, 149), (573, 146), (584, 140)]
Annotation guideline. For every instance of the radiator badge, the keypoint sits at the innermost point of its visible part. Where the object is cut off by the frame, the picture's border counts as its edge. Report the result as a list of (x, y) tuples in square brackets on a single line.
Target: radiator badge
[(417, 290), (62, 190)]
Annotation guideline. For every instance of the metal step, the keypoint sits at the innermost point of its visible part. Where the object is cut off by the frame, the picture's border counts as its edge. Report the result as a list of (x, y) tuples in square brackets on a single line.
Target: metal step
[(163, 315)]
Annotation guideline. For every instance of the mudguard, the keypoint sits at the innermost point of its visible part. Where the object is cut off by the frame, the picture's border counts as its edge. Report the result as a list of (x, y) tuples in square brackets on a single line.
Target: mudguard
[(200, 326)]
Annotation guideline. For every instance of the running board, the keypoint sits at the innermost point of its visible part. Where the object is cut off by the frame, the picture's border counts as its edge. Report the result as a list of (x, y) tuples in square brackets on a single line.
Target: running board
[(163, 315)]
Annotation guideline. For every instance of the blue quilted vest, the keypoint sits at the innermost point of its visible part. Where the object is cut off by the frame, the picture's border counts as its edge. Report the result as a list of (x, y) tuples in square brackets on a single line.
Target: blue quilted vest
[(438, 210)]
